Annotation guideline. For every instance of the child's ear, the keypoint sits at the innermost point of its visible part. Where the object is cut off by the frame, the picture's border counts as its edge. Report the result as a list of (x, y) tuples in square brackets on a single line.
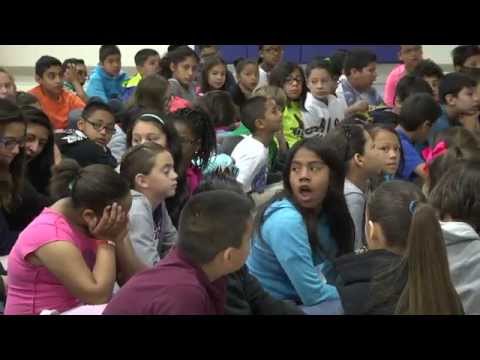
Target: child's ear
[(141, 181), (90, 218), (450, 99), (173, 67), (38, 79), (228, 255), (358, 159), (259, 124), (81, 124)]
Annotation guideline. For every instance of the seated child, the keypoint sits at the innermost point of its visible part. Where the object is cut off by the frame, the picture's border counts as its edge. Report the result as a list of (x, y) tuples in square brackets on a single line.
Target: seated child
[(72, 253), (466, 57), (247, 80), (55, 101), (405, 270), (263, 118), (180, 68), (196, 136), (431, 73), (362, 162), (357, 88), (149, 170), (192, 278), (455, 198), (147, 62), (301, 230), (106, 81), (289, 76), (88, 144), (245, 295), (410, 56), (7, 85), (324, 111), (75, 77), (417, 116), (458, 98)]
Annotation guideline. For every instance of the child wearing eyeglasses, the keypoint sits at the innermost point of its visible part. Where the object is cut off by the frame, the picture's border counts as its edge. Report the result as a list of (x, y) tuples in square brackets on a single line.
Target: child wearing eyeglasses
[(290, 77), (88, 144)]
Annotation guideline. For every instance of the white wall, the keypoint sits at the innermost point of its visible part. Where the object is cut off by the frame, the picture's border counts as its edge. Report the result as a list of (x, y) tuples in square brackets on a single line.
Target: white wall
[(26, 55), (439, 53)]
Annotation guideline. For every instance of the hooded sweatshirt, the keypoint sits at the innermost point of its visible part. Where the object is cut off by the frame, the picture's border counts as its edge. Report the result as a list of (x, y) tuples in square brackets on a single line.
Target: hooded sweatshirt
[(463, 251), (151, 232), (283, 261), (106, 86)]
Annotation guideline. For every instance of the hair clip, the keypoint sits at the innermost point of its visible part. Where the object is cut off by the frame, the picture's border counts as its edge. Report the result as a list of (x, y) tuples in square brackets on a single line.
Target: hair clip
[(156, 117), (412, 206)]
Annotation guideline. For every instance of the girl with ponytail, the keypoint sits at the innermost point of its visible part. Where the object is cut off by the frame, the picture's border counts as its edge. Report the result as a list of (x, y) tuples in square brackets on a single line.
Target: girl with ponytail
[(405, 270), (72, 252)]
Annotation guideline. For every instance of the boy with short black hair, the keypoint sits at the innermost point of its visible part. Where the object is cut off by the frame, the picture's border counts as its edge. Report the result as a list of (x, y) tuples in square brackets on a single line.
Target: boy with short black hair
[(431, 73), (262, 116), (88, 144), (417, 115), (357, 88), (75, 76), (55, 101), (107, 79), (147, 62), (458, 97), (466, 56), (191, 279)]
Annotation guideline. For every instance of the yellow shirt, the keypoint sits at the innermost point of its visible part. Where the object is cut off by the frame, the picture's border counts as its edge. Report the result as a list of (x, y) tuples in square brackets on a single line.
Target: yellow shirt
[(292, 123)]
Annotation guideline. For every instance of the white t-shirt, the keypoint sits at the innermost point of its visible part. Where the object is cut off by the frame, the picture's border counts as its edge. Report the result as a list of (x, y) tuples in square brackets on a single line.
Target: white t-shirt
[(262, 77), (251, 159), (321, 118)]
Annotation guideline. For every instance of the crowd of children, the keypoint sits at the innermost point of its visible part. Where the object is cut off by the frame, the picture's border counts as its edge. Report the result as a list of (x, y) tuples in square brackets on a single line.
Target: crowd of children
[(277, 189)]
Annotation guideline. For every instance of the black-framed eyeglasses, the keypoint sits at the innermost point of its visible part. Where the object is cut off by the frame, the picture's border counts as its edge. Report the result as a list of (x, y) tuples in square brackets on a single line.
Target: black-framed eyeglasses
[(100, 127), (11, 143)]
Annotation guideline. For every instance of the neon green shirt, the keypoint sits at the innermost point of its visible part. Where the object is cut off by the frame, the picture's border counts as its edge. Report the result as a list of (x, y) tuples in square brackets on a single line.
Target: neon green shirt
[(292, 123)]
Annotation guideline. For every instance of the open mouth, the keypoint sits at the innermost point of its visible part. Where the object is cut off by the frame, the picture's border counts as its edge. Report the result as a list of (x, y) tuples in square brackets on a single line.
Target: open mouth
[(305, 192)]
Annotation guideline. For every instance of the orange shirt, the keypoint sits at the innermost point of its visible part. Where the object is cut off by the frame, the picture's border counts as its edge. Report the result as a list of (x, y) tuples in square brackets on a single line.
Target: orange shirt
[(58, 110)]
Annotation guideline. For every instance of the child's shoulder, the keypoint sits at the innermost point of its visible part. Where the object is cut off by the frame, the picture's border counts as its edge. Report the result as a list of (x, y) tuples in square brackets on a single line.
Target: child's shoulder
[(283, 210)]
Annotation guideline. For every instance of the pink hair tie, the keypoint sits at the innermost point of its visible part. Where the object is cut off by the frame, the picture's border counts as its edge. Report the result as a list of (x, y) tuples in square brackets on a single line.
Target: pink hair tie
[(430, 154)]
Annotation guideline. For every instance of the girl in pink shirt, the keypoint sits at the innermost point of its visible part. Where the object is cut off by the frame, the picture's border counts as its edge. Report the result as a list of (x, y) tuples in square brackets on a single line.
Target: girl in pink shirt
[(71, 253), (410, 55)]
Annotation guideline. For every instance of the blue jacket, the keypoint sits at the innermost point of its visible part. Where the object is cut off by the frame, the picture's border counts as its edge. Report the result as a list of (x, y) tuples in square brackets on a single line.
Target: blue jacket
[(105, 86), (283, 261)]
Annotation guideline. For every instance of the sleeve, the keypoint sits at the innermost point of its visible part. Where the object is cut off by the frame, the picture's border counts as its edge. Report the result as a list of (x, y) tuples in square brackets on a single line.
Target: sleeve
[(181, 300), (141, 233), (95, 88), (261, 302), (247, 160), (118, 144), (411, 160), (289, 241), (41, 234), (311, 122), (390, 88), (76, 102), (356, 207), (170, 234)]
